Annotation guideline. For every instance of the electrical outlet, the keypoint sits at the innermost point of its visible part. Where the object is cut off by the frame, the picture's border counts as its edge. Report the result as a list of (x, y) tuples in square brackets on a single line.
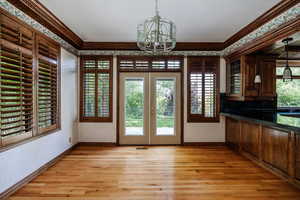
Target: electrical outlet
[(70, 140)]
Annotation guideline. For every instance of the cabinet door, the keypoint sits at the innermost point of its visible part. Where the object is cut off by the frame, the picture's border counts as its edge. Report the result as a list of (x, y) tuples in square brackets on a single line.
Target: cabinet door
[(232, 133), (248, 74), (250, 138), (298, 157), (234, 77), (275, 146), (268, 76)]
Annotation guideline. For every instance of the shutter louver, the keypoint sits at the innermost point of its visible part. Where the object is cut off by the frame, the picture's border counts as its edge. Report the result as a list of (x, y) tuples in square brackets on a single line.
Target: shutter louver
[(16, 82), (96, 92), (150, 64), (47, 102), (203, 89)]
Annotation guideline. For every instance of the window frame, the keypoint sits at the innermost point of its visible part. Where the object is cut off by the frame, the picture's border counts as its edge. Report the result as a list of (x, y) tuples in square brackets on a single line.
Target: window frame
[(110, 71), (57, 127), (200, 118), (17, 140), (286, 109)]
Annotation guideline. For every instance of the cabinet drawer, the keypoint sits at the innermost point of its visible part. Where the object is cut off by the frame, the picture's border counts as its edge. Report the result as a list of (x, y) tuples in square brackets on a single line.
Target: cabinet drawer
[(275, 145)]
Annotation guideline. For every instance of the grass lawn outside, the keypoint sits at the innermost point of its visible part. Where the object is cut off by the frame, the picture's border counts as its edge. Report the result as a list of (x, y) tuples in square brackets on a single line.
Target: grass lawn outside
[(161, 122)]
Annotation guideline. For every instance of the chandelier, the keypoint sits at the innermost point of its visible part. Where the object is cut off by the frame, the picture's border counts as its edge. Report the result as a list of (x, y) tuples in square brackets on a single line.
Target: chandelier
[(156, 35)]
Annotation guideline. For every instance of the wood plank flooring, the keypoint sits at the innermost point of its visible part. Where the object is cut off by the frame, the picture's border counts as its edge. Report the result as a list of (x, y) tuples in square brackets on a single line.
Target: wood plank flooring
[(181, 173)]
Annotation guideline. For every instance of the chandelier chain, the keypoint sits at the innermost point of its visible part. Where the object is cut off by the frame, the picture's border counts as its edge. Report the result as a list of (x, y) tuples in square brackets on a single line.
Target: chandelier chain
[(156, 7)]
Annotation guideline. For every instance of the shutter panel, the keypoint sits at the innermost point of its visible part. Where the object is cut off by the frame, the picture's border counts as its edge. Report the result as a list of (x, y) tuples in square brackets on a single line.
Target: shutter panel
[(150, 64), (96, 88), (196, 93), (203, 89), (47, 102), (16, 82)]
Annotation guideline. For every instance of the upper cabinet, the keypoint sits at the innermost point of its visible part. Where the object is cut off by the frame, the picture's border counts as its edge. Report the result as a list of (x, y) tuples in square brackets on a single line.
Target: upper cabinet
[(267, 71), (241, 74)]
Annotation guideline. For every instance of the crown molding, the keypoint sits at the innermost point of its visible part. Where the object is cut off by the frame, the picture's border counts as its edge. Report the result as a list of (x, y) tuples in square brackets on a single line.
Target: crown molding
[(41, 14), (276, 10), (180, 46), (285, 30)]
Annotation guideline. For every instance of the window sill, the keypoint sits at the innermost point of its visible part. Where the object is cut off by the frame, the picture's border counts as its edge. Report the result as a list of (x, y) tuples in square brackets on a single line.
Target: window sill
[(27, 140), (95, 120), (203, 120)]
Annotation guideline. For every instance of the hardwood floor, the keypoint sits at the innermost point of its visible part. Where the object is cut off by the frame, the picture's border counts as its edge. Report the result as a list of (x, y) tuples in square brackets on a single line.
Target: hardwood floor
[(202, 173)]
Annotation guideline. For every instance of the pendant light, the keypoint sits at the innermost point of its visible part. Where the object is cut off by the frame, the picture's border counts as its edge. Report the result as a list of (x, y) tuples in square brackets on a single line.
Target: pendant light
[(287, 72), (156, 35)]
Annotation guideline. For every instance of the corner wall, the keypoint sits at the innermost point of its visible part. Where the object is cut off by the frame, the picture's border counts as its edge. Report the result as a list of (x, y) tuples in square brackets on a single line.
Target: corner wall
[(21, 161)]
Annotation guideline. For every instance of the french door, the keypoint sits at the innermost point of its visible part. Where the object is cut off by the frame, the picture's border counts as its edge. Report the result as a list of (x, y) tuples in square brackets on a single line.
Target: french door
[(150, 108)]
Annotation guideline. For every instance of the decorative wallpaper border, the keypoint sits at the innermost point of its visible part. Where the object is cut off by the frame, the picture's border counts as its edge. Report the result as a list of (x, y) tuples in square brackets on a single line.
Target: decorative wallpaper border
[(37, 26), (288, 15), (142, 53)]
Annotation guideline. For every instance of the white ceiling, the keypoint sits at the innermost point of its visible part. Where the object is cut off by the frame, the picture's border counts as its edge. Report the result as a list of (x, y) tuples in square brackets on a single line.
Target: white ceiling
[(196, 20)]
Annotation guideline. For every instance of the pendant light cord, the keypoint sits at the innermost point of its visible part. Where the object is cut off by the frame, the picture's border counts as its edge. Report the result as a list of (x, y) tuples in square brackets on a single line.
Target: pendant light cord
[(287, 53)]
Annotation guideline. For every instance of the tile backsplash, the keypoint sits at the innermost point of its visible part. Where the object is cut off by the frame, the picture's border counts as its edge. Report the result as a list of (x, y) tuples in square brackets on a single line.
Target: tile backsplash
[(246, 106)]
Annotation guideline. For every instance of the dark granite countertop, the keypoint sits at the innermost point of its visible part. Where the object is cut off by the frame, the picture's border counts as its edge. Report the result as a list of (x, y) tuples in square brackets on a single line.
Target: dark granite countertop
[(268, 118)]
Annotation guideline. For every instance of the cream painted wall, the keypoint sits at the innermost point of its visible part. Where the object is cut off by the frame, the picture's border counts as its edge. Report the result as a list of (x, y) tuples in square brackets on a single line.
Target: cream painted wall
[(19, 162), (194, 132)]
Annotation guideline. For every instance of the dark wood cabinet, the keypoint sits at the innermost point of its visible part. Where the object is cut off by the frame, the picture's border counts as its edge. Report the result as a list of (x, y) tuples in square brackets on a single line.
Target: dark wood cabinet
[(268, 76), (275, 148), (241, 74), (249, 73), (240, 78), (250, 138), (297, 151), (233, 133)]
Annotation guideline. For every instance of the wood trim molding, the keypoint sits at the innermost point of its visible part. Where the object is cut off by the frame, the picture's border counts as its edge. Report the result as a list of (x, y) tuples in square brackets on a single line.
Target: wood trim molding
[(269, 38), (7, 193), (41, 14), (180, 46), (276, 10), (204, 144), (105, 144)]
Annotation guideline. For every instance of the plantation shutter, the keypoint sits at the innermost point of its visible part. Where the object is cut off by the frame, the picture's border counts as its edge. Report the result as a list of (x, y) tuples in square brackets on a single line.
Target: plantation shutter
[(96, 89), (48, 54), (150, 64), (203, 89), (16, 82)]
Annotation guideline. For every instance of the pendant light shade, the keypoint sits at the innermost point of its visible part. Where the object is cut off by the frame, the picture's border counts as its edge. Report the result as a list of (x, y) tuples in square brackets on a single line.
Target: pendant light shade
[(287, 72), (257, 79)]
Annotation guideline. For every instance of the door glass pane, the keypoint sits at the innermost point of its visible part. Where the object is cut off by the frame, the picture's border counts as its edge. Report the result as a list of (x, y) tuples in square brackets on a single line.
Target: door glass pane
[(165, 106), (134, 106)]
